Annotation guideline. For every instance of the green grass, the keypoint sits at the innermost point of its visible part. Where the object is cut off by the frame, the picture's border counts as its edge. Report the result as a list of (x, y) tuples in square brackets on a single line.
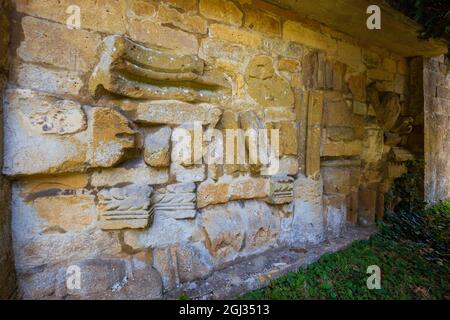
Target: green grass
[(412, 255)]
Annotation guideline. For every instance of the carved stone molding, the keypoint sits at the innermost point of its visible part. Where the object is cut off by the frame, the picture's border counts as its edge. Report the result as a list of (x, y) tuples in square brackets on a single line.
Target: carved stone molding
[(123, 208), (176, 201), (132, 70)]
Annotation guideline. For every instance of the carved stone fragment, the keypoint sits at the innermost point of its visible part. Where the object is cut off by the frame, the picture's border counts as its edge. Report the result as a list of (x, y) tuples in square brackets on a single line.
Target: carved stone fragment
[(265, 86), (281, 189), (132, 70), (176, 201), (388, 110), (126, 207)]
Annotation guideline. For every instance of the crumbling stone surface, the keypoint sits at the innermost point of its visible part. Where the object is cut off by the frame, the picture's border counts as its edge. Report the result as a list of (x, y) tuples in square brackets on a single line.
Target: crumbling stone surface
[(109, 130)]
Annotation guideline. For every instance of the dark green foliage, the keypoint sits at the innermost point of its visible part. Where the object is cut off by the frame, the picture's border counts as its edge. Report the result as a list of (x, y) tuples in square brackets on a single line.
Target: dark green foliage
[(411, 249), (432, 15)]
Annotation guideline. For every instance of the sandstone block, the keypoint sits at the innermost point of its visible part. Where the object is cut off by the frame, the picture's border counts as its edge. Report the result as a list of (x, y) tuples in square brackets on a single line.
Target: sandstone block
[(30, 76), (235, 35), (248, 188), (340, 148), (192, 173), (55, 44), (176, 112), (184, 21), (210, 192), (222, 11), (151, 33), (104, 15), (294, 31), (182, 263), (132, 172), (265, 86), (57, 128), (112, 136), (58, 212), (186, 5), (157, 147), (262, 22)]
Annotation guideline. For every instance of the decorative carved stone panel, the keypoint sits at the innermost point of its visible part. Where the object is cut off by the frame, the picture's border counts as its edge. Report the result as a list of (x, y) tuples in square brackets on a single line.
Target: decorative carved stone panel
[(176, 201), (127, 207), (132, 70), (281, 189)]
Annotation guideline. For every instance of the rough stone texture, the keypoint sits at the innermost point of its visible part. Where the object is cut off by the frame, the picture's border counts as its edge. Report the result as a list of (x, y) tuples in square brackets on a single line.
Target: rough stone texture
[(157, 147), (437, 133), (123, 208), (236, 229), (39, 124), (221, 10), (266, 87), (92, 121), (57, 45)]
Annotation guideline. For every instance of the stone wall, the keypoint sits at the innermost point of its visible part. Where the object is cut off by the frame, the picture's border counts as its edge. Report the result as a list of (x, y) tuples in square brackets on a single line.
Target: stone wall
[(437, 128), (7, 274), (95, 119)]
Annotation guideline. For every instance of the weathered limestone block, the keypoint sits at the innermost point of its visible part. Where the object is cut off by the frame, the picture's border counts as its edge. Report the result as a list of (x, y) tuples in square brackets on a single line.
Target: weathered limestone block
[(387, 108), (225, 50), (30, 76), (265, 86), (221, 10), (262, 22), (281, 189), (131, 172), (188, 145), (126, 207), (335, 214), (26, 137), (184, 21), (235, 229), (236, 36), (306, 225), (164, 231), (398, 154), (151, 33), (294, 31), (112, 136), (313, 133), (244, 187), (132, 70), (287, 165), (372, 149), (342, 149), (48, 114), (341, 176), (176, 201), (194, 173), (57, 212), (182, 263), (211, 192), (57, 45), (38, 124), (141, 9), (288, 132), (157, 147), (176, 113), (44, 236), (104, 15)]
